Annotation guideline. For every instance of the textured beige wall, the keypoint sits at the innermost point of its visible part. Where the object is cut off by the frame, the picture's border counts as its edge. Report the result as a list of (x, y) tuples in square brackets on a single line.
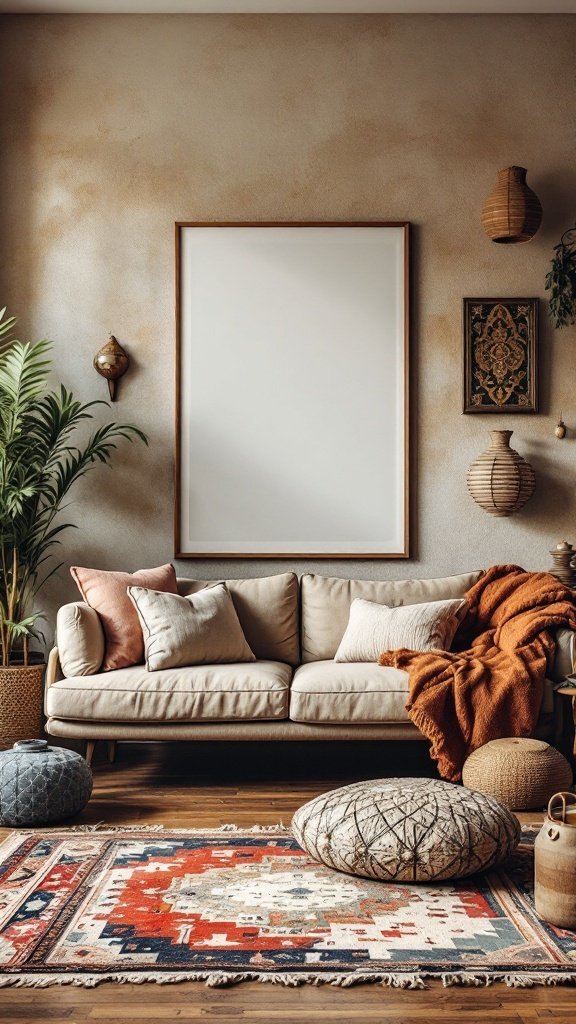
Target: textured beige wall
[(114, 127)]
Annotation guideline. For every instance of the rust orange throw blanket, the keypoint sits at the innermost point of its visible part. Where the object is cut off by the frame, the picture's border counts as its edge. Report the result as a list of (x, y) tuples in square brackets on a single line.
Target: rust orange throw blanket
[(491, 683)]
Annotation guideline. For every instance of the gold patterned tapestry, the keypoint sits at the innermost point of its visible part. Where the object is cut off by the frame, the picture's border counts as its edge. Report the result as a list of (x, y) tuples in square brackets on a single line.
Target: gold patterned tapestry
[(500, 353)]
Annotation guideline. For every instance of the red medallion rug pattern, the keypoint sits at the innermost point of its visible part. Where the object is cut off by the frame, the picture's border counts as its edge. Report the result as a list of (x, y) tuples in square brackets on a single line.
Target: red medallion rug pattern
[(232, 905)]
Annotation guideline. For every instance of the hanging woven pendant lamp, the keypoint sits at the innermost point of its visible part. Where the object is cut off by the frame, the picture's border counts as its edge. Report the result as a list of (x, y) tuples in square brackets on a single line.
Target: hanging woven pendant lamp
[(512, 212), (500, 480)]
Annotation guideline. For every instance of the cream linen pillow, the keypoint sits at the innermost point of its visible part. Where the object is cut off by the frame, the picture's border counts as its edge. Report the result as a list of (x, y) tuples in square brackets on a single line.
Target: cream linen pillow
[(374, 628), (200, 629)]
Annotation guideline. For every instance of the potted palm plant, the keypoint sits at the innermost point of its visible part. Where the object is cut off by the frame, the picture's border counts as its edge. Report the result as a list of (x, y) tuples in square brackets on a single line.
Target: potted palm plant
[(40, 459)]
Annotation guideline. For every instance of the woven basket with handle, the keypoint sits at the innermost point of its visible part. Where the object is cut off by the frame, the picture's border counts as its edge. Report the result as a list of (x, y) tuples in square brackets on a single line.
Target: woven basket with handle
[(21, 692)]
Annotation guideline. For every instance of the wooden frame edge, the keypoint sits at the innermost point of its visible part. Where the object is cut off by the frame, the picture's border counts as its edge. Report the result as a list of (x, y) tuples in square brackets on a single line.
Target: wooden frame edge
[(364, 556)]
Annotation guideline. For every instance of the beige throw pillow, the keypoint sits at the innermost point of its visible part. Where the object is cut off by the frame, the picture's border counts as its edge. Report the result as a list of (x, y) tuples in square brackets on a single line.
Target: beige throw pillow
[(200, 629), (374, 628)]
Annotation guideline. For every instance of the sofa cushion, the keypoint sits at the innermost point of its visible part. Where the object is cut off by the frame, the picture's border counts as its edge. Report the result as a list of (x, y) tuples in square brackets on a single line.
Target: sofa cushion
[(374, 628), (268, 611), (80, 639), (257, 690), (107, 593), (200, 629), (326, 604), (348, 693)]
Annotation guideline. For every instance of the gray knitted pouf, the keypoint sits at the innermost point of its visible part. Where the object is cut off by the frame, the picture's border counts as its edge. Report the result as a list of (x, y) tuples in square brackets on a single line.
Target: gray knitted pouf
[(40, 785)]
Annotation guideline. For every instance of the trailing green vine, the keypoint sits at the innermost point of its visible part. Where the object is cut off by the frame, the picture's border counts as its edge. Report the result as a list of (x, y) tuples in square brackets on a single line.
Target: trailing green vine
[(561, 281)]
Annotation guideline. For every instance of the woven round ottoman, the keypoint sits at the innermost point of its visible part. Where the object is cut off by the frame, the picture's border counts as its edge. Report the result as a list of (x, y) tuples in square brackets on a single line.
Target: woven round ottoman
[(523, 774), (40, 785), (406, 830)]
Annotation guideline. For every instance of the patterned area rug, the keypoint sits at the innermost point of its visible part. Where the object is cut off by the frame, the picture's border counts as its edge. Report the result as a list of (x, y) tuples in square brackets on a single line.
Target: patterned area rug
[(232, 905)]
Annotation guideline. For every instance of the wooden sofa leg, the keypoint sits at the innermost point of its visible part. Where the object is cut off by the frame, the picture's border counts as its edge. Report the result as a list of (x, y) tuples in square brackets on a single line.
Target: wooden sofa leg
[(111, 751), (90, 745)]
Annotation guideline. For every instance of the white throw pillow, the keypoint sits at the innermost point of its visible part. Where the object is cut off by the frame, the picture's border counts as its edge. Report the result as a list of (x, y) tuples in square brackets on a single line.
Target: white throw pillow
[(200, 629), (374, 628)]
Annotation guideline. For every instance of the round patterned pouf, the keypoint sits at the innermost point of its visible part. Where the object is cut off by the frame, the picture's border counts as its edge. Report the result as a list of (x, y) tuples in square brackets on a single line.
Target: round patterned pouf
[(40, 785), (521, 773), (406, 830)]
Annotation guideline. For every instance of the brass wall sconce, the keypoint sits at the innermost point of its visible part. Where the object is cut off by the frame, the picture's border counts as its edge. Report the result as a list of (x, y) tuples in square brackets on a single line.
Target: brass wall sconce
[(512, 212), (111, 362)]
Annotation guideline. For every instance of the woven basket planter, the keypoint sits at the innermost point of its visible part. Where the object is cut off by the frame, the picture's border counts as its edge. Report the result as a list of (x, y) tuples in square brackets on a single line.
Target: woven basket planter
[(21, 696), (500, 480), (521, 773)]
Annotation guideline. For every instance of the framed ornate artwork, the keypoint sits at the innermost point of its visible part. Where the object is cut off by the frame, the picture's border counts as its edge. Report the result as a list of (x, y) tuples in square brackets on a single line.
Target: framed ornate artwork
[(292, 390), (501, 355)]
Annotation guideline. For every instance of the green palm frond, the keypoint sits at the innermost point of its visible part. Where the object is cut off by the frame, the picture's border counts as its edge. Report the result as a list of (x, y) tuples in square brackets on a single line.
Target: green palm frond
[(7, 324), (23, 370), (40, 460)]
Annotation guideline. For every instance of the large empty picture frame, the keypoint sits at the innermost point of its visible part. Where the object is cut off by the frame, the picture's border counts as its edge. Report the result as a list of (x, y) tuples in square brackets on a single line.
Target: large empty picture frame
[(292, 390)]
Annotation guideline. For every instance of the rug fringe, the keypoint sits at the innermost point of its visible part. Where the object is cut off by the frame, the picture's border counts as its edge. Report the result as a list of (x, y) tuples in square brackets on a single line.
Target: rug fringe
[(221, 979), (102, 828)]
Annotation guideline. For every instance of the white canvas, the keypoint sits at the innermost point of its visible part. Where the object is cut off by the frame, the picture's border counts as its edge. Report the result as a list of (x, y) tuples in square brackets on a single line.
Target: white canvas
[(293, 392)]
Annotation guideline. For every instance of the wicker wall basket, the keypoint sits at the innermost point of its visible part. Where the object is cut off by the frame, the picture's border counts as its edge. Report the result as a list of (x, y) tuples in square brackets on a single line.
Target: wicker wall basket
[(500, 480), (512, 212), (21, 696)]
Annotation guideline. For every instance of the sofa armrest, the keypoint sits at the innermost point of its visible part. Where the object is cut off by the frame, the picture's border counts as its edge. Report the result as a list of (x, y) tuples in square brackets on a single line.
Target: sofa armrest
[(565, 657), (53, 669), (80, 639)]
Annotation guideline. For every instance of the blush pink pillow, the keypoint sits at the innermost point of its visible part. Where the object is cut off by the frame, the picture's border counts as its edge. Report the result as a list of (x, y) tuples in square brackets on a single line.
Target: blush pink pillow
[(107, 593)]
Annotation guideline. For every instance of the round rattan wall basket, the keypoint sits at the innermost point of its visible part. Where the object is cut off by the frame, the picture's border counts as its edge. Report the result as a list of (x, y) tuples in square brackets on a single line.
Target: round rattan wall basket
[(521, 773), (500, 480), (21, 693), (512, 212)]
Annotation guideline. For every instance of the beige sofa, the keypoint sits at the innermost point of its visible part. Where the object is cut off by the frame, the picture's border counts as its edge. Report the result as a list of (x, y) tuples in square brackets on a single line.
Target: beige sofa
[(294, 691)]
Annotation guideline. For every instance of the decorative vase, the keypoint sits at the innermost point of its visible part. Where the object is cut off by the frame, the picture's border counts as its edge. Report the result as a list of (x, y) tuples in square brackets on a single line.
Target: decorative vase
[(40, 784), (500, 480), (512, 212), (562, 568), (21, 694), (555, 863)]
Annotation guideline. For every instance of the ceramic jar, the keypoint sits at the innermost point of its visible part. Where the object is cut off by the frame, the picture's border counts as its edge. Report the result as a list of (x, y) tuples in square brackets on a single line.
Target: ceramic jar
[(555, 863)]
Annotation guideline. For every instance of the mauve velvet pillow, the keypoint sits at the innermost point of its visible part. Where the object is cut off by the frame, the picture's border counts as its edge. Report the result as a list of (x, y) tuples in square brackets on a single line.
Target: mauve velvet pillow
[(107, 593)]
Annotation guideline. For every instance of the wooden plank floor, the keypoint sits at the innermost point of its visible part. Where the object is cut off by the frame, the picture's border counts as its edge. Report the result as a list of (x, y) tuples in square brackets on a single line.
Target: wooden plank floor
[(197, 785)]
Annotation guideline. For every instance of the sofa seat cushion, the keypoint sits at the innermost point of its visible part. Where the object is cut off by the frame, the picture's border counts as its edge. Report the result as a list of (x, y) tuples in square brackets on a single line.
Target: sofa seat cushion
[(348, 693), (208, 693)]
